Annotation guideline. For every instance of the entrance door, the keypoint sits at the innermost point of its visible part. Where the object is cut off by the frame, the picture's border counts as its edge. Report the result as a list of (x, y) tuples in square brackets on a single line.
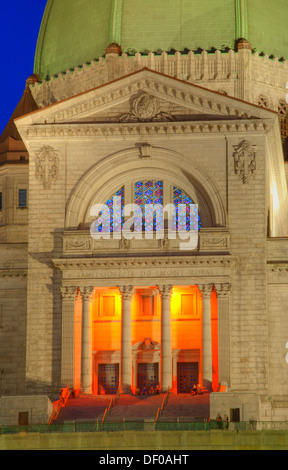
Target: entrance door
[(187, 376), (147, 376), (108, 379)]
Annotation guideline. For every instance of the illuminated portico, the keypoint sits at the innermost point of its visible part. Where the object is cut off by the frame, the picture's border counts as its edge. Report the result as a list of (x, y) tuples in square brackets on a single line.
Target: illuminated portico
[(162, 324)]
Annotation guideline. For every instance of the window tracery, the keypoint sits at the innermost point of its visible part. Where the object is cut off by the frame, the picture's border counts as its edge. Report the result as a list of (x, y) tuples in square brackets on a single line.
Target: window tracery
[(148, 196)]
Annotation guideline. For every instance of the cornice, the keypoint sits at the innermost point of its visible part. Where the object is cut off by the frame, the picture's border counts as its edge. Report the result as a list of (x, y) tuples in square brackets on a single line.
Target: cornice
[(13, 274), (131, 129), (147, 262), (277, 268)]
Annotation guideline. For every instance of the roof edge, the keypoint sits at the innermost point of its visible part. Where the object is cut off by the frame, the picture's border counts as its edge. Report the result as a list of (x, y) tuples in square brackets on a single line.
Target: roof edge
[(268, 112)]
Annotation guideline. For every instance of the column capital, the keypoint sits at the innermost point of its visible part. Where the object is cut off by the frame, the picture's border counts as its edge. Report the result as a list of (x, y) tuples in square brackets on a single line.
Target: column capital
[(126, 292), (223, 290), (86, 292), (68, 292), (205, 290), (165, 291)]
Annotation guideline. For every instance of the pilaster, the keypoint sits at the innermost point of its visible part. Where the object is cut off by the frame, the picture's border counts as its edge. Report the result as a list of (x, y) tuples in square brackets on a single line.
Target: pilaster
[(67, 353), (86, 354), (223, 292), (206, 290)]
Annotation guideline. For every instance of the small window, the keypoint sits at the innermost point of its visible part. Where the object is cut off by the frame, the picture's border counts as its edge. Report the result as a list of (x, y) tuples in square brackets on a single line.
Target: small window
[(23, 418), (22, 198), (0, 201), (235, 415)]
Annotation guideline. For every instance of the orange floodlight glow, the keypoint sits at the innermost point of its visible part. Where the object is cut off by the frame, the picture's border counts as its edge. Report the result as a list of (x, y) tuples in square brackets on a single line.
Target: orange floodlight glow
[(186, 327)]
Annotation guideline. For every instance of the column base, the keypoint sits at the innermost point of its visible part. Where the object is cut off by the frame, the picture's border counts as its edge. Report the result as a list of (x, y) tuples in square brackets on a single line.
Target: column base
[(86, 391), (126, 389), (207, 384)]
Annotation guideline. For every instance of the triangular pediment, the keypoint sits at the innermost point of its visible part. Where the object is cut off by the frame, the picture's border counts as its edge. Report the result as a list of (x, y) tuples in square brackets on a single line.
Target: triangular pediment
[(145, 96)]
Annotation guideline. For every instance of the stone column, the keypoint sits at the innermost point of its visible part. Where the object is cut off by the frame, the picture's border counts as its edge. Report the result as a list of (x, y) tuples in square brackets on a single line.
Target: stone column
[(67, 353), (86, 349), (206, 290), (166, 341), (126, 340), (223, 292)]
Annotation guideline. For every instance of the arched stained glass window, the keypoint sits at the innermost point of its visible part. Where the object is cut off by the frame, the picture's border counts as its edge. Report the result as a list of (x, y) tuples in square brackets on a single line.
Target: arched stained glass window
[(114, 222), (148, 195), (186, 212)]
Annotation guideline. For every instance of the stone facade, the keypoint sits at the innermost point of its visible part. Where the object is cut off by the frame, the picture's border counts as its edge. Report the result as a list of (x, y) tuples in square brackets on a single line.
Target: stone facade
[(28, 409), (226, 154)]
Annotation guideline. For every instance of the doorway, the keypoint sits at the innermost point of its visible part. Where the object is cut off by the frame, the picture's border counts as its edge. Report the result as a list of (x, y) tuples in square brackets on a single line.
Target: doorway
[(148, 376), (187, 376), (108, 379)]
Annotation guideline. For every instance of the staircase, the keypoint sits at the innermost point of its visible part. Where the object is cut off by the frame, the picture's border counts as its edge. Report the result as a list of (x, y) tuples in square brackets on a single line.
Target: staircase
[(130, 407), (182, 407), (84, 408), (187, 407)]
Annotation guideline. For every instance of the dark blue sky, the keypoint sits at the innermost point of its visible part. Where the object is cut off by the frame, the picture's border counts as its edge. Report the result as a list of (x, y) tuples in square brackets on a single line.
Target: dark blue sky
[(20, 22)]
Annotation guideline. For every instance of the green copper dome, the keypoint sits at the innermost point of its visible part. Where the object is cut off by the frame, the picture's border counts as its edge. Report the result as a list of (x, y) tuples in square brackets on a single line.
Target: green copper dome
[(74, 32)]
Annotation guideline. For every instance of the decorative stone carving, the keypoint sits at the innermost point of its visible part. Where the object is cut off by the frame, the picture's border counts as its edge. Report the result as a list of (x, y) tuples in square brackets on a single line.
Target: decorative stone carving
[(223, 290), (165, 291), (47, 164), (126, 292), (86, 292), (15, 274), (151, 128), (68, 293), (77, 245), (148, 344), (245, 160), (125, 244), (163, 243), (145, 151), (214, 242), (205, 290), (146, 108)]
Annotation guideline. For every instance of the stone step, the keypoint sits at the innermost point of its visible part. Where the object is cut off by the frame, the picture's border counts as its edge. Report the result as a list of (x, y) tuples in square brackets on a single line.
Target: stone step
[(84, 408), (187, 406), (130, 407), (135, 407)]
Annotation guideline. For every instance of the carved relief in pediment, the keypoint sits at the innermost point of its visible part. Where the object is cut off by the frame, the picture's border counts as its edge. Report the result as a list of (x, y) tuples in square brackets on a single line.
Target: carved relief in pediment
[(146, 108)]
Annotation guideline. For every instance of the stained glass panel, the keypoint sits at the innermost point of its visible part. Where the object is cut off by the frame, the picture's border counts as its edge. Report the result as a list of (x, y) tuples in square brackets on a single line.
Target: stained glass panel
[(149, 193), (114, 219), (187, 217)]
